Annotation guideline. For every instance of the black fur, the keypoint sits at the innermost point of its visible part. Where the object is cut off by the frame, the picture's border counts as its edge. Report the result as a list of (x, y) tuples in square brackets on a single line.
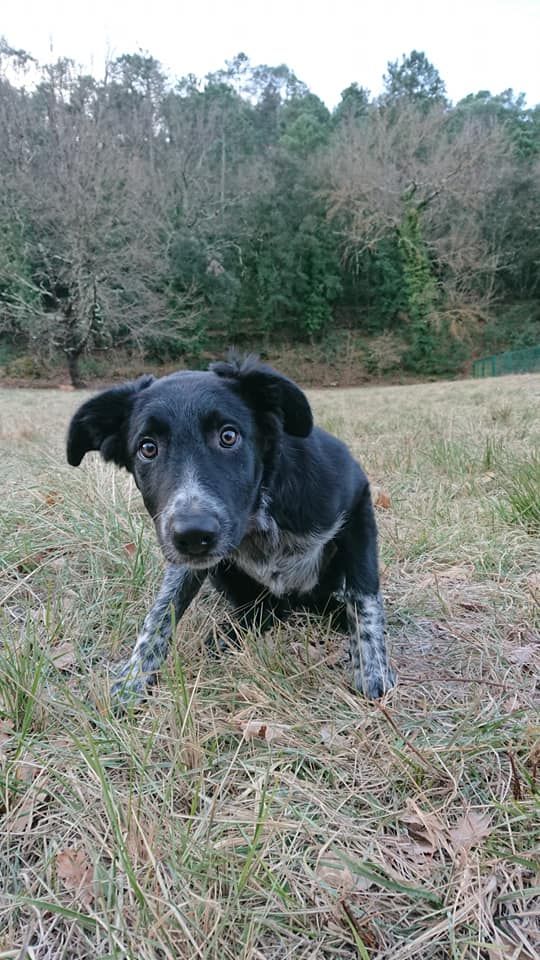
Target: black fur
[(280, 517)]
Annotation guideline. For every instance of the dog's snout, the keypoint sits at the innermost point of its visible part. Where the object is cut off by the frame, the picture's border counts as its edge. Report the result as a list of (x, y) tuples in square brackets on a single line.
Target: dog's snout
[(196, 535)]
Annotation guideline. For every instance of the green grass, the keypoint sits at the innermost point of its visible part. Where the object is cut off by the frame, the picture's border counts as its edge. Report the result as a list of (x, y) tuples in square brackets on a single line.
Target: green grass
[(256, 807)]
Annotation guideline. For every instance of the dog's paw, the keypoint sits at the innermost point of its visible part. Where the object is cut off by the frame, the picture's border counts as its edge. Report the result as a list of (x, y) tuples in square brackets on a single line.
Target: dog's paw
[(221, 642), (129, 689), (375, 683)]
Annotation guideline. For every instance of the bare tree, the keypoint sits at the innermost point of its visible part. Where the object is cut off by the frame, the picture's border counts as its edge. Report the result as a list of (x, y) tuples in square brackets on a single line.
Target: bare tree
[(92, 228), (398, 162)]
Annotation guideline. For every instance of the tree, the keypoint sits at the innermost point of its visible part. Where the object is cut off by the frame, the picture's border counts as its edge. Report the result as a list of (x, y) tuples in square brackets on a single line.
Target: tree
[(86, 263), (353, 106), (407, 179), (414, 79)]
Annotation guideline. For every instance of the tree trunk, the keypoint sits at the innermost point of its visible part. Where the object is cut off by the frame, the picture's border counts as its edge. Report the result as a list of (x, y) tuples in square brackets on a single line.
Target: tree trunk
[(74, 370)]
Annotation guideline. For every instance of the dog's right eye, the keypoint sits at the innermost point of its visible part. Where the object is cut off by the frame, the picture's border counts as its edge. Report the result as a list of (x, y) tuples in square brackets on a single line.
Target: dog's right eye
[(148, 449)]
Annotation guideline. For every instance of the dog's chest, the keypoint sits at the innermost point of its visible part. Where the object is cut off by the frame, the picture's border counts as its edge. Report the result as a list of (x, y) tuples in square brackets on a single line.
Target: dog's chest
[(282, 561)]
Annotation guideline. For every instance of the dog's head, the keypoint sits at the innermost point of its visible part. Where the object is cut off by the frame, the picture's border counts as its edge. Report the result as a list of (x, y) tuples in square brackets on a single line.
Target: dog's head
[(200, 446)]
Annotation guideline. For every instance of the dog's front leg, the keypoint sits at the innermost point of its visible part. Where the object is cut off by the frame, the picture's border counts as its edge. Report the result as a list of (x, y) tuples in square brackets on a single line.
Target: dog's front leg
[(372, 674), (180, 585)]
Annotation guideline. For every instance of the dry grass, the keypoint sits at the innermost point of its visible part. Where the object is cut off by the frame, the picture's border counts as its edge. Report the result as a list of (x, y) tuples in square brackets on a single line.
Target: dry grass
[(328, 827)]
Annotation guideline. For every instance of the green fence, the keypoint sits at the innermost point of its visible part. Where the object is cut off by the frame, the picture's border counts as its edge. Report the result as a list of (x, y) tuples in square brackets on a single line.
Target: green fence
[(515, 361)]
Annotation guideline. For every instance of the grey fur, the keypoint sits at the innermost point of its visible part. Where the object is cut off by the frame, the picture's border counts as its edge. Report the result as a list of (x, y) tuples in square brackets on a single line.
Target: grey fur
[(282, 561), (372, 674)]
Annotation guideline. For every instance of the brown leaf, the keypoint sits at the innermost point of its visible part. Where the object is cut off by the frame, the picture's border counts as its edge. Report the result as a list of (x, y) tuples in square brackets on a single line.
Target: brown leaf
[(192, 754), (333, 740), (381, 499), (141, 841), (506, 950), (131, 549), (338, 877), (27, 769), (63, 655), (29, 772), (76, 873), (309, 652), (52, 497), (6, 733), (261, 730), (252, 694), (21, 817), (533, 583), (425, 829), (458, 571), (470, 830)]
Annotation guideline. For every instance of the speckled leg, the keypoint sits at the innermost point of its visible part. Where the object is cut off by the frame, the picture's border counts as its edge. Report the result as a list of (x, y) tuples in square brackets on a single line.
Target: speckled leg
[(179, 587), (372, 674)]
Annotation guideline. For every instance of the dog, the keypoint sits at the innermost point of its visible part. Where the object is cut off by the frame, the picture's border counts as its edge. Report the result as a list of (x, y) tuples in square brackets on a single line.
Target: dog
[(245, 490)]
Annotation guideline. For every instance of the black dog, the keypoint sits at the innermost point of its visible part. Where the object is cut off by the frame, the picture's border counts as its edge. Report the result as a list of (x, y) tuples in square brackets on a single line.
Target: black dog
[(242, 487)]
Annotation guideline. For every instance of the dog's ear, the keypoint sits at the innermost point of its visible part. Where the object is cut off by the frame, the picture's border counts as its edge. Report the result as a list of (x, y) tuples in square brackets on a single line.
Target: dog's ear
[(269, 392), (101, 423)]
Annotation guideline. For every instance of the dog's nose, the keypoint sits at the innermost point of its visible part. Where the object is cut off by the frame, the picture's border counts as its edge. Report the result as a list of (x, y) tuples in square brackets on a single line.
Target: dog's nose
[(195, 536)]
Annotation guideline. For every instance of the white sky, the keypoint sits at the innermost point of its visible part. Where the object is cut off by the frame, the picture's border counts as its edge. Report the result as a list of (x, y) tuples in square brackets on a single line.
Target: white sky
[(475, 44)]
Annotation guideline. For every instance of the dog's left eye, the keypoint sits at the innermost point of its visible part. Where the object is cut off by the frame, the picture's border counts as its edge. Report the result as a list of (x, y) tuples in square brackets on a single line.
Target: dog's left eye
[(228, 436), (148, 449)]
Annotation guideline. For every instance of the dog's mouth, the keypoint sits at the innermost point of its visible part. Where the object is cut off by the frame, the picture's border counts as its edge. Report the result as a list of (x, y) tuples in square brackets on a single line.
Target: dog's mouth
[(202, 562)]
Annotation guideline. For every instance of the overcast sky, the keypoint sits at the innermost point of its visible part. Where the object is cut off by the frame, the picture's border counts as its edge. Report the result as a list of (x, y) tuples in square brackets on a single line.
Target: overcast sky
[(475, 44)]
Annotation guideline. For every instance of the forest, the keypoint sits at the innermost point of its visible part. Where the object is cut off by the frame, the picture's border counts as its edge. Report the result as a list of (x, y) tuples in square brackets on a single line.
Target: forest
[(163, 218)]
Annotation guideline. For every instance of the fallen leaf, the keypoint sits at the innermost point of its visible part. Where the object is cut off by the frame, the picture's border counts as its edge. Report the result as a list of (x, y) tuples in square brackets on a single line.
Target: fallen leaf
[(261, 730), (470, 830), (140, 841), (52, 497), (131, 549), (27, 769), (458, 571), (533, 582), (339, 878), (252, 694), (21, 817), (381, 499), (506, 950), (6, 733), (26, 772), (425, 829), (76, 873), (333, 740), (6, 730), (524, 655), (309, 652), (192, 754), (63, 656)]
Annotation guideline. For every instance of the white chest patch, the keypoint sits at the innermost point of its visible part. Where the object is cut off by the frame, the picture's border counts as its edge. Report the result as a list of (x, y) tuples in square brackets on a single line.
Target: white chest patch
[(284, 562)]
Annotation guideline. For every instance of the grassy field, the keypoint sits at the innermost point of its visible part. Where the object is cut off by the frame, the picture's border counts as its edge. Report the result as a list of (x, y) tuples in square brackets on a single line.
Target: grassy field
[(258, 808)]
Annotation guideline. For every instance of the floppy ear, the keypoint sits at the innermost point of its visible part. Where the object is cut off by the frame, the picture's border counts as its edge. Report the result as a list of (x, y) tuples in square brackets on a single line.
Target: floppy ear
[(269, 391), (100, 424)]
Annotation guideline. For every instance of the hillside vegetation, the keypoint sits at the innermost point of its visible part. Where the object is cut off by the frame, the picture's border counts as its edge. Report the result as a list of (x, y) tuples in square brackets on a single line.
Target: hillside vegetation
[(142, 215)]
